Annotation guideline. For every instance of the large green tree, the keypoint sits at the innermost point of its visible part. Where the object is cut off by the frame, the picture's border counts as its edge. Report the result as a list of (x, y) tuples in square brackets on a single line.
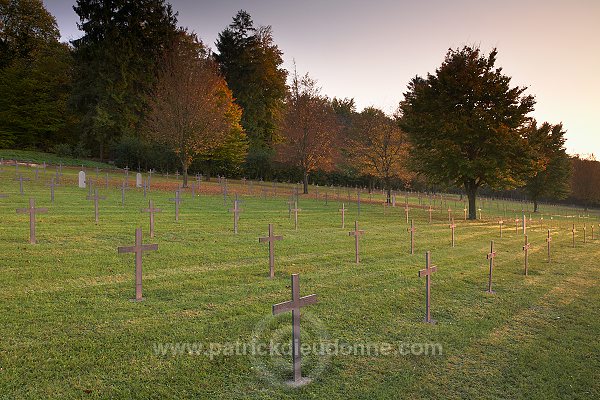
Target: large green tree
[(116, 63), (35, 76), (553, 178), (252, 66), (467, 125)]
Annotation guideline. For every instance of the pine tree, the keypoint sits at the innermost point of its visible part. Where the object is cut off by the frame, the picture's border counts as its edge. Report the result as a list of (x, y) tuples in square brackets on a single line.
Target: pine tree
[(251, 64), (116, 65)]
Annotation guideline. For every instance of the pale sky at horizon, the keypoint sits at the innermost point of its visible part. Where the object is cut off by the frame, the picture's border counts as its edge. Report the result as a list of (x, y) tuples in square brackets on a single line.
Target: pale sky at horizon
[(370, 50)]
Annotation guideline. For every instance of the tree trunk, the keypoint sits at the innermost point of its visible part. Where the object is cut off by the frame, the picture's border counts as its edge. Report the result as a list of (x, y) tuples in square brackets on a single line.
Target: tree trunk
[(101, 151), (305, 182), (472, 195), (535, 205), (371, 185), (388, 190)]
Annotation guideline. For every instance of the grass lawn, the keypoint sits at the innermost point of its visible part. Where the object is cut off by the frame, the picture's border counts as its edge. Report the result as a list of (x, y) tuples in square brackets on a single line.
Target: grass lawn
[(69, 330)]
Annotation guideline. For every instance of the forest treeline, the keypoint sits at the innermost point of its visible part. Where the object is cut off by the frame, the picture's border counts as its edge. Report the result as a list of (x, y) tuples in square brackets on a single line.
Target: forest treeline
[(139, 90)]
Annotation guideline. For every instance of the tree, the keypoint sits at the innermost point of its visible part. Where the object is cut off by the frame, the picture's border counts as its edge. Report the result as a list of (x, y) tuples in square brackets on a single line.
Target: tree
[(310, 129), (191, 110), (116, 65), (466, 125), (378, 148), (35, 77), (252, 66), (552, 179), (584, 181), (25, 25)]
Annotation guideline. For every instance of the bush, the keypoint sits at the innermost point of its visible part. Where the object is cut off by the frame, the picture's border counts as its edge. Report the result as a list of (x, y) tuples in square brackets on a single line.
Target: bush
[(62, 150)]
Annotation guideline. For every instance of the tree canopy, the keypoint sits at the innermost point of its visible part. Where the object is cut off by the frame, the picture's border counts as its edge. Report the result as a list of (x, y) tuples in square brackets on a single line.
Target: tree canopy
[(191, 110), (251, 63), (116, 65), (467, 125)]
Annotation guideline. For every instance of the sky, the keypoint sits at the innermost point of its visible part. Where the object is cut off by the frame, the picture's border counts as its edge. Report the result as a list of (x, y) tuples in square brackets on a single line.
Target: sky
[(369, 50)]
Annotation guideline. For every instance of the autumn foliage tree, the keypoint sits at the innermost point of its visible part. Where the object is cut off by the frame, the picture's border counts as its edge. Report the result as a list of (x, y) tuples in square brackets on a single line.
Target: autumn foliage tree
[(552, 179), (377, 147), (466, 125), (584, 181), (191, 110), (310, 129)]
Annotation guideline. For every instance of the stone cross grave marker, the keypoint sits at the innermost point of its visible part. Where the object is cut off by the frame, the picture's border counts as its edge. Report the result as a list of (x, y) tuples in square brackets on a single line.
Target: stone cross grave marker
[(449, 214), (32, 211), (151, 210), (501, 223), (236, 215), (81, 182), (526, 248), (343, 211), (548, 240), (271, 239), (177, 201), (21, 180), (491, 255), (145, 186), (150, 178), (295, 210), (517, 225), (123, 189), (138, 249), (356, 233), (294, 306), (480, 214), (126, 169), (427, 273), (452, 227), (96, 198), (138, 180), (584, 232), (412, 236)]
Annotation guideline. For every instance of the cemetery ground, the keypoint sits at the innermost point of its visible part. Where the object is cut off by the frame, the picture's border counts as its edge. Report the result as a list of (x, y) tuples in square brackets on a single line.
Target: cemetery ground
[(69, 330)]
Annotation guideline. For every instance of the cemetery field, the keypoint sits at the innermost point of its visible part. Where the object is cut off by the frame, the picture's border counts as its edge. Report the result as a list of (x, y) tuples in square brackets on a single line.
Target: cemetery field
[(68, 327)]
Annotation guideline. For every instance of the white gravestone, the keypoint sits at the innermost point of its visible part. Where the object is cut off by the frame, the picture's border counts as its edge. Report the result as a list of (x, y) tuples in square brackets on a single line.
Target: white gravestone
[(138, 180), (81, 179)]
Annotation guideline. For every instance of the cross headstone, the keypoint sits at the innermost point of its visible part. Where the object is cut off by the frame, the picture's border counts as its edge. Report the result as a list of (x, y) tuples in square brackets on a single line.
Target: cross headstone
[(177, 200), (295, 210), (123, 189), (294, 306), (96, 198), (32, 211), (584, 232), (548, 240), (151, 210), (150, 177), (138, 180), (427, 273), (526, 248), (412, 236), (138, 249), (236, 215), (21, 180), (491, 255), (517, 225), (449, 214), (452, 227), (343, 211), (271, 239), (145, 187), (356, 233), (126, 169), (480, 214), (82, 180)]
